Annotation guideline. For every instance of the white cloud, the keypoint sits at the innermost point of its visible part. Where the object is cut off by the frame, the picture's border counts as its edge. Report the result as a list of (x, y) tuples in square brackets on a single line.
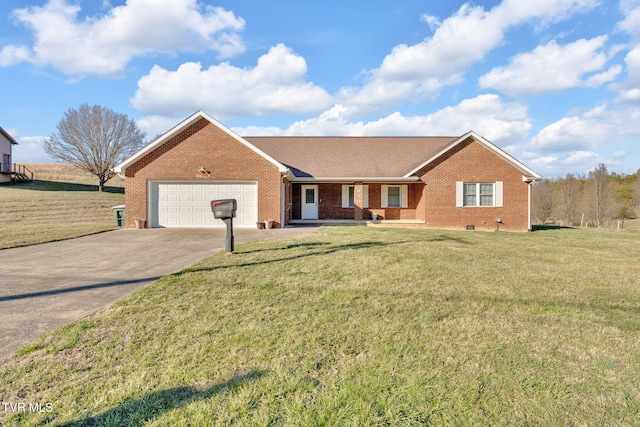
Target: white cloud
[(574, 162), (552, 67), (458, 41), (432, 21), (587, 131), (275, 85), (486, 114), (631, 22), (11, 55), (547, 12), (105, 44), (30, 149), (629, 91)]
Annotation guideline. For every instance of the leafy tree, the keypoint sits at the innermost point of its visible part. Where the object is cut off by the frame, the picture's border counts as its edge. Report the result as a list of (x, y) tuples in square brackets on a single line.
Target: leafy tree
[(95, 139)]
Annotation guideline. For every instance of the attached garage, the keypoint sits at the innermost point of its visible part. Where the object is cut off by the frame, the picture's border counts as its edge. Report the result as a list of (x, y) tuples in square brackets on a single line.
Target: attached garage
[(188, 203)]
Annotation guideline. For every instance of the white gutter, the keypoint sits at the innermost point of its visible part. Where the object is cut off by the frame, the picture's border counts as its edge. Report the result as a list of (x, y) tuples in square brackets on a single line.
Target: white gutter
[(357, 179)]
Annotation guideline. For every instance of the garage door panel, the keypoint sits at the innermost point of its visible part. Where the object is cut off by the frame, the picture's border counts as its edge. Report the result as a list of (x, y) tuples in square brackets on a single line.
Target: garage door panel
[(188, 204)]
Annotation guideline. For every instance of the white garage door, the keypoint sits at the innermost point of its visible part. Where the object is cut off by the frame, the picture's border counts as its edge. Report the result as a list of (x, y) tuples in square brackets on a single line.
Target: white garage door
[(188, 204)]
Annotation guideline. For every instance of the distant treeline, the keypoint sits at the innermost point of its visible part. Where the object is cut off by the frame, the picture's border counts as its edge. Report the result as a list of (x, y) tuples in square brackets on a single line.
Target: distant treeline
[(597, 199)]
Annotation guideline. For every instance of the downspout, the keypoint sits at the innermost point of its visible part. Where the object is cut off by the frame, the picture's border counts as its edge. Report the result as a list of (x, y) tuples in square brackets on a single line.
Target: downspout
[(529, 206), (282, 212)]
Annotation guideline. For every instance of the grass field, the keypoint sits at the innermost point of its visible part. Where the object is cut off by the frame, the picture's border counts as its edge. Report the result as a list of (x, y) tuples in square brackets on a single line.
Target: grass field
[(45, 211), (65, 172), (358, 326)]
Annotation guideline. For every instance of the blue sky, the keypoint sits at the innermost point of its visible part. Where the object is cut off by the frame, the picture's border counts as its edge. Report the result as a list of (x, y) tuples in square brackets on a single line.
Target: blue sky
[(554, 82)]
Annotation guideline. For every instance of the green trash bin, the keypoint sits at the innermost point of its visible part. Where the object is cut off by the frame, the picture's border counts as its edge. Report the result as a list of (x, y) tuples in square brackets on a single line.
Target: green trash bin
[(118, 213)]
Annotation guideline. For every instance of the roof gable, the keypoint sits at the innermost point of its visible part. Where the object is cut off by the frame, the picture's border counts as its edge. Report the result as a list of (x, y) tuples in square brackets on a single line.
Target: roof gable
[(528, 172), (7, 136), (185, 124)]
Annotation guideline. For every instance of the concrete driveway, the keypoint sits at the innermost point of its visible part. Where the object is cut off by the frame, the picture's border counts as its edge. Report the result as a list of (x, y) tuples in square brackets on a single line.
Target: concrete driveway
[(43, 287)]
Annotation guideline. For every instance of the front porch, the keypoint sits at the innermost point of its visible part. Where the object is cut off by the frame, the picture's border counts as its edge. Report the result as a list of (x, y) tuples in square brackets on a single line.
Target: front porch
[(365, 222), (369, 203)]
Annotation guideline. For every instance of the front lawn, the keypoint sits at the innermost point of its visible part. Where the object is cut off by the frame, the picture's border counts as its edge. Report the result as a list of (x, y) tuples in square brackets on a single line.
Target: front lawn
[(358, 326), (46, 211)]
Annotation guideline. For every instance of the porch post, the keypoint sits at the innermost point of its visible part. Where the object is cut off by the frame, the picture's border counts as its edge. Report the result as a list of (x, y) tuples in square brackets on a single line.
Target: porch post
[(357, 201)]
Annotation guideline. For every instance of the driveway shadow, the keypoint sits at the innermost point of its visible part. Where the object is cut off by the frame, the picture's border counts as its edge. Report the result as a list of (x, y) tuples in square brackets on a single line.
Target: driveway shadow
[(140, 411), (78, 288)]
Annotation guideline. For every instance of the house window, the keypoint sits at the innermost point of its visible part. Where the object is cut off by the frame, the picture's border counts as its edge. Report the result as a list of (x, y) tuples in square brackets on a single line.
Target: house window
[(486, 194), (479, 194), (310, 195), (394, 196), (470, 194), (348, 196)]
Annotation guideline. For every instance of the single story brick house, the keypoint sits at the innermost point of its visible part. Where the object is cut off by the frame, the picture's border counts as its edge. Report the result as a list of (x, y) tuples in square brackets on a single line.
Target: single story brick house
[(440, 182)]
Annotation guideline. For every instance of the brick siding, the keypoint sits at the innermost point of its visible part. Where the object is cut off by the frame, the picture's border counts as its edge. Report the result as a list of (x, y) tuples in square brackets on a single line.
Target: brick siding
[(202, 144), (470, 161)]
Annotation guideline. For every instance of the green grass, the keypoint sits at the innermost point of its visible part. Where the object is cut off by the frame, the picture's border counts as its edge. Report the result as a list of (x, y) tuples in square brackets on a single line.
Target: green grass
[(46, 211), (358, 326)]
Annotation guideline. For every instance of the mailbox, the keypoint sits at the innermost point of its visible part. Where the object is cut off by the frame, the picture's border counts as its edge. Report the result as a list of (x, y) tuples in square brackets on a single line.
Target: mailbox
[(225, 208)]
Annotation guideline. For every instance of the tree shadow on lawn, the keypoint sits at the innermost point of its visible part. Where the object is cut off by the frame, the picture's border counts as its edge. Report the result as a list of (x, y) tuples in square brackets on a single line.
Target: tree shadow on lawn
[(41, 185), (150, 406), (321, 251)]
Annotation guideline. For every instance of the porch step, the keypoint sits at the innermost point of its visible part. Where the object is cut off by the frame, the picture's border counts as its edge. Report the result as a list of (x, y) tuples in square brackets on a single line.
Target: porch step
[(20, 177)]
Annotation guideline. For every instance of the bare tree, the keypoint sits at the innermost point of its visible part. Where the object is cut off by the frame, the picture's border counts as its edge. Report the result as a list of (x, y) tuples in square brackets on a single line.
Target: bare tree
[(95, 139), (567, 199), (601, 192), (542, 201)]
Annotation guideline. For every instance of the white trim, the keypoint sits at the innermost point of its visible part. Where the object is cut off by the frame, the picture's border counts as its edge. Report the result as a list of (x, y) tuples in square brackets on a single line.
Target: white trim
[(282, 208), (345, 196), (384, 196), (404, 196), (303, 200), (498, 194), (365, 196), (352, 179), (529, 207), (187, 122), (471, 134)]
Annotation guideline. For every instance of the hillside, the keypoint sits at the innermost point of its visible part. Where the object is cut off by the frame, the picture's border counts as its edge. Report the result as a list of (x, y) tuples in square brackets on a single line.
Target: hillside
[(65, 172)]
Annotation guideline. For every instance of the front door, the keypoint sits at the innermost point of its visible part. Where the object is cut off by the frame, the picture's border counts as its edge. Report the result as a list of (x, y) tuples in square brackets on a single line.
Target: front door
[(309, 202)]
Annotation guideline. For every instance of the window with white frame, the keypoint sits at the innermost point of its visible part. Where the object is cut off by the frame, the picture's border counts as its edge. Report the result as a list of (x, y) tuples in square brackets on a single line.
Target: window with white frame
[(479, 194), (394, 196)]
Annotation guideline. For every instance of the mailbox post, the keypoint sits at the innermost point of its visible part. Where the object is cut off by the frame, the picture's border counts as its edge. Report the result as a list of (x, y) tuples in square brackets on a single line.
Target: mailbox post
[(225, 210)]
